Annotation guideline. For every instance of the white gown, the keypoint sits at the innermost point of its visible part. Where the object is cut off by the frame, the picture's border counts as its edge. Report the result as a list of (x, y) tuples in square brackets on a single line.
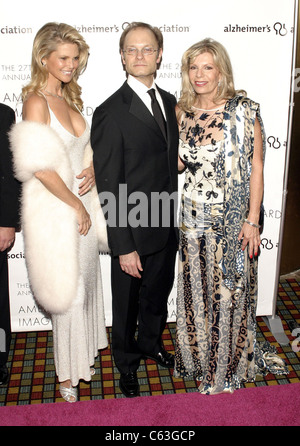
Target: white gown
[(80, 332)]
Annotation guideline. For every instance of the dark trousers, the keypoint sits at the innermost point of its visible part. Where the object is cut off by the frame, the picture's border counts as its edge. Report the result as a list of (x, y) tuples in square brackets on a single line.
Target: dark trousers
[(144, 300), (5, 328)]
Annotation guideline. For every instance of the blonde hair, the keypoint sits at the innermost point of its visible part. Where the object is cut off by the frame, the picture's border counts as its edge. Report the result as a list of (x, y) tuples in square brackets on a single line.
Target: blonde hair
[(45, 42), (226, 88)]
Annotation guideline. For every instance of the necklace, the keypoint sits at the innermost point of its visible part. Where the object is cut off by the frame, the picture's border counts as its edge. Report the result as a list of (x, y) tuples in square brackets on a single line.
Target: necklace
[(54, 95), (212, 109), (207, 119)]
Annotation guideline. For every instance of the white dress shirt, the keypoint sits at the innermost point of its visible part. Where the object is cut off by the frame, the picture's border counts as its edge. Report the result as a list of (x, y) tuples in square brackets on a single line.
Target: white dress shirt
[(141, 90)]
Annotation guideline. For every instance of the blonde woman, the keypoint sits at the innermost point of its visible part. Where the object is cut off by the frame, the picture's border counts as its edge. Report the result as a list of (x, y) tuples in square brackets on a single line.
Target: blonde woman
[(221, 148), (60, 208)]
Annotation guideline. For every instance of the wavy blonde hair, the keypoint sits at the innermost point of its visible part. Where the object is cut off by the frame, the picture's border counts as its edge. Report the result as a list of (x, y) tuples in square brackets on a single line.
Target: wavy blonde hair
[(221, 59), (45, 42)]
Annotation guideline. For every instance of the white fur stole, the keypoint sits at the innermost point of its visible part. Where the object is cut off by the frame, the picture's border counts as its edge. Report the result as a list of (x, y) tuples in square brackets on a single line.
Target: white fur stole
[(49, 225)]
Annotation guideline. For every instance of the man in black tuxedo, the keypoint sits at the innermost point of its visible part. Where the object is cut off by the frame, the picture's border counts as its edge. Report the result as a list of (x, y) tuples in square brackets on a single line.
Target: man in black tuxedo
[(9, 221), (135, 161)]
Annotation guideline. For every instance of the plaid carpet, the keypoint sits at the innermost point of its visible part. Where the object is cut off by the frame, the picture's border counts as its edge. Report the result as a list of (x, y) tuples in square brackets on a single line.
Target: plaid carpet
[(33, 378)]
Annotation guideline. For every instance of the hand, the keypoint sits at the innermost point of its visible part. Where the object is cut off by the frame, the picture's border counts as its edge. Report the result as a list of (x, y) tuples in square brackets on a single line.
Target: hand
[(181, 165), (84, 220), (7, 238), (131, 264), (250, 236), (89, 180)]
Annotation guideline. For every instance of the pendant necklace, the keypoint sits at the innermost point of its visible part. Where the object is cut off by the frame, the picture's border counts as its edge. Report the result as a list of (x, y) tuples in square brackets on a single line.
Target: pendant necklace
[(54, 95), (212, 109), (208, 120)]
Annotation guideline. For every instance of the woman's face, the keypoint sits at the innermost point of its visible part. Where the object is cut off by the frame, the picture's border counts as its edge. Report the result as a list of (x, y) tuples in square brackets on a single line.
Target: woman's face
[(204, 75), (63, 62)]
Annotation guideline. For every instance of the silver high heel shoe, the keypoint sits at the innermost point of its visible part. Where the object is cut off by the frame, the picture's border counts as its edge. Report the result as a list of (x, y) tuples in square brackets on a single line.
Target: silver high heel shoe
[(69, 394)]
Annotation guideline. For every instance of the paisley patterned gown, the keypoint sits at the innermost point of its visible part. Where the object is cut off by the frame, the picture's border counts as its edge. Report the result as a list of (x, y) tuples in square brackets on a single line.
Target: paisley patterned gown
[(216, 326)]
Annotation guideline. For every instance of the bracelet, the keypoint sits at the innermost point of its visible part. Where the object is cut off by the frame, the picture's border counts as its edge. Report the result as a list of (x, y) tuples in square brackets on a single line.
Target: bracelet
[(251, 224)]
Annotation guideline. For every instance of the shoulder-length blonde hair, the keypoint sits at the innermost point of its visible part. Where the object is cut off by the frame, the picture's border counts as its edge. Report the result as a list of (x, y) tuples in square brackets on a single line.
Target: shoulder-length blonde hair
[(221, 59), (45, 42)]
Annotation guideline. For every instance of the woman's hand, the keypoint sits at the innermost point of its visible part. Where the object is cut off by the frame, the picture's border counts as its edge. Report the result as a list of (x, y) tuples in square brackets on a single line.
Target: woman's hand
[(83, 219), (53, 182), (250, 236), (89, 180)]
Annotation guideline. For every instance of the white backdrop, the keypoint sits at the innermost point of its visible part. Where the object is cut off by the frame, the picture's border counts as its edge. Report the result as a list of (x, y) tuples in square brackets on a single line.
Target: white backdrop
[(259, 38)]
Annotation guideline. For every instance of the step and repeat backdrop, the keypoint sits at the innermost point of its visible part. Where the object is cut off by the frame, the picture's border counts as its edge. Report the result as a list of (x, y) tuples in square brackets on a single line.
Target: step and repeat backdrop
[(259, 37)]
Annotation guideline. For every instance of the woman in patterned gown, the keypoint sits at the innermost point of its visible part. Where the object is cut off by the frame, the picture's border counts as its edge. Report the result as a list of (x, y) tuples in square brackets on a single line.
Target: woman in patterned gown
[(60, 205), (221, 149)]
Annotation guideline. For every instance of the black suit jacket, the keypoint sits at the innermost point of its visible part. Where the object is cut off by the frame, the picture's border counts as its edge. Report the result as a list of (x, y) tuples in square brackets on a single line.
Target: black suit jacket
[(129, 149), (9, 186)]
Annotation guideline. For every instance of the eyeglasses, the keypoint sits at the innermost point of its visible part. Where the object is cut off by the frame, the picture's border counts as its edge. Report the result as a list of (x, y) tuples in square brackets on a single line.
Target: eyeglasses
[(147, 51)]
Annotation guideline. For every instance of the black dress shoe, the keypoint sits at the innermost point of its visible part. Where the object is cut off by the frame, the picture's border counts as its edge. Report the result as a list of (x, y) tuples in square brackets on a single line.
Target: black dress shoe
[(129, 384), (165, 359), (4, 374)]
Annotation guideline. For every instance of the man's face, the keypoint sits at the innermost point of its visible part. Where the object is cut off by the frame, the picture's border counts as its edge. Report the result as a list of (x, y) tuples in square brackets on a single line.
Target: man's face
[(137, 62)]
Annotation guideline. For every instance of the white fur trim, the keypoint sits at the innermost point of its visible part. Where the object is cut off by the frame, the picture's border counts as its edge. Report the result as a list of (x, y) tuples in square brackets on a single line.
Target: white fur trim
[(35, 147)]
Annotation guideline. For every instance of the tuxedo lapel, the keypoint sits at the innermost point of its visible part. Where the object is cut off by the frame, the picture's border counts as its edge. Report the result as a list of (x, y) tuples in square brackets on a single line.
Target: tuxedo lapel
[(139, 109)]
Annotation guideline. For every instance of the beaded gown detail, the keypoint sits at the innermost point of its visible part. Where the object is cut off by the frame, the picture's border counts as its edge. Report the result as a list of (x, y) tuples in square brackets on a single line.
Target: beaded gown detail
[(81, 331)]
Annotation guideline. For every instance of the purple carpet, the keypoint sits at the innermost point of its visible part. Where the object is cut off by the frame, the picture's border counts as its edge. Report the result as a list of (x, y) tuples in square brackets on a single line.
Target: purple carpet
[(259, 406)]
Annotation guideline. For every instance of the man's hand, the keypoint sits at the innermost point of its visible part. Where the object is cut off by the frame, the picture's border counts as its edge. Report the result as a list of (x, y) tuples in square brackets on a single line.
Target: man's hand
[(7, 238), (131, 264), (88, 182)]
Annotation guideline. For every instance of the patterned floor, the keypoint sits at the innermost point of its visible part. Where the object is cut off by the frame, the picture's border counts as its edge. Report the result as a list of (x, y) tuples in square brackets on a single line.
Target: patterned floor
[(33, 378)]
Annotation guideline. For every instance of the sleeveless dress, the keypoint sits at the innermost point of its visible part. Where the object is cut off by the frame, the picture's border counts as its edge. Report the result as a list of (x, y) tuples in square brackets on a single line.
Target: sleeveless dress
[(216, 324), (216, 317), (80, 332), (203, 303)]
